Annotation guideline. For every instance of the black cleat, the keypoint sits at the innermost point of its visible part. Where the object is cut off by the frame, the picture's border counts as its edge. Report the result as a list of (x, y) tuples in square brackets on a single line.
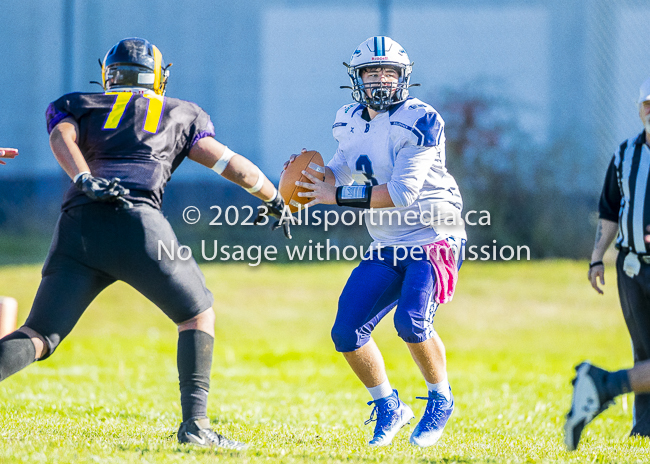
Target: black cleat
[(198, 432), (589, 400)]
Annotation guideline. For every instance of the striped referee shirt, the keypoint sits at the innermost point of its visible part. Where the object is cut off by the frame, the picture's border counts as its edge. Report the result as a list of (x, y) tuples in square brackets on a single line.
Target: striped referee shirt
[(626, 196)]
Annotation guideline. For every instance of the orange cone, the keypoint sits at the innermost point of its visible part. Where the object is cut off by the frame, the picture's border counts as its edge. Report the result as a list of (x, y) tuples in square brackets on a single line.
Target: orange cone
[(8, 315)]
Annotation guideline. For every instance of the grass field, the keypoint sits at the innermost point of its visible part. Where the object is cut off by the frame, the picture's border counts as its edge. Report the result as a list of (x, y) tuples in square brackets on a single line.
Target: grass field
[(513, 334)]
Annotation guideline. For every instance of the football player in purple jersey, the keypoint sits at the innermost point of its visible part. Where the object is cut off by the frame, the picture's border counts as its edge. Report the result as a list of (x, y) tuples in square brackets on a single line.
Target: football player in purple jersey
[(119, 147)]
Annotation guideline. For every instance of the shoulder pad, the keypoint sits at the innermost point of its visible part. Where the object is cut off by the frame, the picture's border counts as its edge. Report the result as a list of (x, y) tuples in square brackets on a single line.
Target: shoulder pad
[(411, 110), (63, 107), (344, 114), (346, 110), (190, 105), (429, 129), (421, 120), (418, 105)]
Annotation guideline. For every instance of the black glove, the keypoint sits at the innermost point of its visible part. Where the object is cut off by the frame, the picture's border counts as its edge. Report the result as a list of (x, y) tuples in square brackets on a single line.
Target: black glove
[(274, 208), (100, 189)]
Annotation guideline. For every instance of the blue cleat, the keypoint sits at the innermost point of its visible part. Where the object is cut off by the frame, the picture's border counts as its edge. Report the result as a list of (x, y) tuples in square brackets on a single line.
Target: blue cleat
[(391, 415), (435, 417)]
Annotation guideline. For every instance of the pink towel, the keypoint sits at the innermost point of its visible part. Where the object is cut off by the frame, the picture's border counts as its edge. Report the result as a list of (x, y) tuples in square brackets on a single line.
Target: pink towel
[(442, 257)]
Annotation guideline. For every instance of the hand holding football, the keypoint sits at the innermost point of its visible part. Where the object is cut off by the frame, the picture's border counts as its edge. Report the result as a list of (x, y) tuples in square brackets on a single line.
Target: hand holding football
[(310, 161)]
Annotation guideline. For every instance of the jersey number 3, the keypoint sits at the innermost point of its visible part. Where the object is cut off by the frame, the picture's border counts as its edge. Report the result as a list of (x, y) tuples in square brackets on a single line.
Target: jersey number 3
[(365, 165), (151, 120)]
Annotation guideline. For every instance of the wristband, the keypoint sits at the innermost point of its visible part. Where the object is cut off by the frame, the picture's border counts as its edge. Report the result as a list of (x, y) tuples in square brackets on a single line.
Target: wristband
[(357, 196), (76, 178), (258, 185), (596, 263), (275, 195), (220, 165)]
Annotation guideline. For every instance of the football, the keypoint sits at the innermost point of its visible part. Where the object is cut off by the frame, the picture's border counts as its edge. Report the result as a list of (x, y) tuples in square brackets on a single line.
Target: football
[(310, 161)]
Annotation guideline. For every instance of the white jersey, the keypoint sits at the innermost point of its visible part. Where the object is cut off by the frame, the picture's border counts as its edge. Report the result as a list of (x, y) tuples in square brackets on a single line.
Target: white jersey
[(405, 149)]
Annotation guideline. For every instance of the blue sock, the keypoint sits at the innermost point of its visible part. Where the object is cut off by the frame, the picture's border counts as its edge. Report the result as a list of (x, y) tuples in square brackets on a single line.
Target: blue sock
[(617, 383)]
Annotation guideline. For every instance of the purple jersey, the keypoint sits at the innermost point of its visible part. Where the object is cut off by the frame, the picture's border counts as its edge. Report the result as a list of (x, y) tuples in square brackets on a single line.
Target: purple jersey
[(139, 137)]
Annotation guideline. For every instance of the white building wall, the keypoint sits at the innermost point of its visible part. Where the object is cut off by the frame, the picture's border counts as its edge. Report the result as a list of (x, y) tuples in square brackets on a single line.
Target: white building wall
[(269, 72), (451, 48), (632, 67)]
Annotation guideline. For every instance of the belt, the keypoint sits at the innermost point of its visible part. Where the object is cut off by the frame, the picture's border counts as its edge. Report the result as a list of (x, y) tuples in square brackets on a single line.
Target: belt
[(643, 258)]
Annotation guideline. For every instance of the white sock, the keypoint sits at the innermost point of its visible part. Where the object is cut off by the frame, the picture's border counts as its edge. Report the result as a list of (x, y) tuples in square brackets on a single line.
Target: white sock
[(380, 391), (440, 387)]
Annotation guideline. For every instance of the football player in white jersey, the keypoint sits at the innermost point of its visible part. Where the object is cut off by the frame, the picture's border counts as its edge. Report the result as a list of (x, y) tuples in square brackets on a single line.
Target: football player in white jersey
[(391, 161)]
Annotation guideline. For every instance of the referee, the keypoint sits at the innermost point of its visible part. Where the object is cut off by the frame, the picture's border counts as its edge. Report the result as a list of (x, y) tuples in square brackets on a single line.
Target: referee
[(624, 214)]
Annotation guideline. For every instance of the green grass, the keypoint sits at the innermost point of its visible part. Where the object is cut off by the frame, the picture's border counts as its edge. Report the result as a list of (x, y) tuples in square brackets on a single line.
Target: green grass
[(513, 334)]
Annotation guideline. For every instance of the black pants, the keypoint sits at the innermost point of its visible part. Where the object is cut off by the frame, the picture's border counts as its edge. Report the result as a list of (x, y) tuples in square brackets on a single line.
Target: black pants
[(96, 244), (634, 293)]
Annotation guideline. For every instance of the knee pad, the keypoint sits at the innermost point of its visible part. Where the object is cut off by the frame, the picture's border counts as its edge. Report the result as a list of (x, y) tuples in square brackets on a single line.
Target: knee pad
[(404, 327), (412, 330), (346, 339), (415, 324)]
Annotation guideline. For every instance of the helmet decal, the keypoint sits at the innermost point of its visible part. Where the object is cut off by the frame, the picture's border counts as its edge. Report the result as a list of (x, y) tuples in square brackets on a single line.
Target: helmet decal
[(157, 66), (379, 46)]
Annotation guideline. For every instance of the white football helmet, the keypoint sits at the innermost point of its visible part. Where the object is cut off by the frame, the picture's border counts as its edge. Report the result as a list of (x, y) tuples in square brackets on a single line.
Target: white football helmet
[(374, 52)]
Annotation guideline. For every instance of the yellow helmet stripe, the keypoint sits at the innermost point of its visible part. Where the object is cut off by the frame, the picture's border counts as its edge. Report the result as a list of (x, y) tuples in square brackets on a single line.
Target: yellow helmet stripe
[(157, 67)]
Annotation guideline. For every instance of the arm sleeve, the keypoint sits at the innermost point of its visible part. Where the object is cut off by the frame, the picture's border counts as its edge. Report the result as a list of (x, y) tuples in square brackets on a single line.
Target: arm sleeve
[(340, 169), (610, 198), (412, 166), (415, 159)]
